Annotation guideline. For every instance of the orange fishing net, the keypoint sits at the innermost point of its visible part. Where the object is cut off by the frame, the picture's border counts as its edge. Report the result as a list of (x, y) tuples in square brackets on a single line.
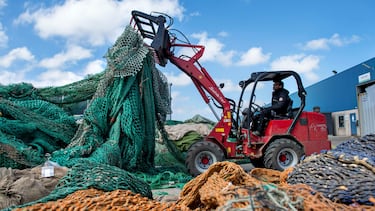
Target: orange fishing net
[(93, 199)]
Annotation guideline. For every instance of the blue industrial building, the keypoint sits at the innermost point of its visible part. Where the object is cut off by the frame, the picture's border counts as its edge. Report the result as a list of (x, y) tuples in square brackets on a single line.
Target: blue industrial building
[(339, 93)]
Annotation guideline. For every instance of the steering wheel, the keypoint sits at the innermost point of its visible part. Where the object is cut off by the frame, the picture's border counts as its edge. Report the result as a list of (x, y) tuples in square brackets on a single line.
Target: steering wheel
[(255, 107), (249, 116)]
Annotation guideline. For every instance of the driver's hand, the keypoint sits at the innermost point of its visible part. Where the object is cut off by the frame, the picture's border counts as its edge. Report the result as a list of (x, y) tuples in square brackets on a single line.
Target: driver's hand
[(265, 110)]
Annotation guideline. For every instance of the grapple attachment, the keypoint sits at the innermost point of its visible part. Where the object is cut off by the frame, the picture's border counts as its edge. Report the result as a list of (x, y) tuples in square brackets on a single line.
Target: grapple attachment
[(153, 28)]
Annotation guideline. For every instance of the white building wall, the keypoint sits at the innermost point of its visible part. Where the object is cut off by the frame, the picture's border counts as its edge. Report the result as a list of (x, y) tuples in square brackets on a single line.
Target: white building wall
[(342, 123)]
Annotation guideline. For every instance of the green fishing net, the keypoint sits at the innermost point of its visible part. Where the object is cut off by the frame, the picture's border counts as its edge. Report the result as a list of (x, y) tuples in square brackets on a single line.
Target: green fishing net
[(121, 110), (118, 125)]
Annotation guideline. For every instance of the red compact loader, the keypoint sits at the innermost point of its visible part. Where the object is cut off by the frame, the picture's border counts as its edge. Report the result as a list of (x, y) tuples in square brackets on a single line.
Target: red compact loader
[(286, 138)]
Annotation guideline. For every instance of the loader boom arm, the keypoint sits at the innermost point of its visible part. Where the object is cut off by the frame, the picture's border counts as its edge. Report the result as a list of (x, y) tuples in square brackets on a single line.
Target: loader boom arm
[(153, 28)]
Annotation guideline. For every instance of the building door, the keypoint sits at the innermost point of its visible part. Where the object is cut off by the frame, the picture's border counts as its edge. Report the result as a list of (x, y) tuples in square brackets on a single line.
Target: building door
[(353, 124)]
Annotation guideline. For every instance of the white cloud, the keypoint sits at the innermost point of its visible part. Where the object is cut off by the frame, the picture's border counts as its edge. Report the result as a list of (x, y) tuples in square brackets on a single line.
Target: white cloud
[(229, 86), (303, 64), (254, 56), (93, 21), (3, 3), (223, 34), (73, 53), (178, 97), (94, 67), (213, 50), (326, 43), (17, 54), (180, 80), (175, 94), (11, 77), (3, 37), (194, 14), (184, 106), (56, 78)]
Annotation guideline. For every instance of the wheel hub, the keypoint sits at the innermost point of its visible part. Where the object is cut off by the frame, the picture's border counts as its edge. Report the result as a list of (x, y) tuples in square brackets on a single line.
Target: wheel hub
[(283, 158), (287, 158), (205, 160)]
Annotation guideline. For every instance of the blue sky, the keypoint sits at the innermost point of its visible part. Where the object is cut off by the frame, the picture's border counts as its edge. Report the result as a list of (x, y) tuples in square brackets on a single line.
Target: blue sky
[(56, 42)]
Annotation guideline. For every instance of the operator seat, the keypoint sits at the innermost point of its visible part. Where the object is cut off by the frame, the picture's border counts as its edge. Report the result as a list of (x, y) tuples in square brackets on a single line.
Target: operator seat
[(287, 115)]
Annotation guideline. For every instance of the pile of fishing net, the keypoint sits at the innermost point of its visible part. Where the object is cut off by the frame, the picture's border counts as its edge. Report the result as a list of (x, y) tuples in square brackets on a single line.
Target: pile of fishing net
[(118, 124), (31, 128), (94, 199), (36, 121), (345, 174), (224, 186), (113, 145)]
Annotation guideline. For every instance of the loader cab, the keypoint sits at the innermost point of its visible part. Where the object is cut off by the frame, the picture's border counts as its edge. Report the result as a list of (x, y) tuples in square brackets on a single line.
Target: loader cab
[(260, 80)]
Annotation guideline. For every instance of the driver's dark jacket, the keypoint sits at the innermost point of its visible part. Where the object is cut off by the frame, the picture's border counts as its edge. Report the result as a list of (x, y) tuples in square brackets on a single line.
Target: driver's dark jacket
[(280, 101)]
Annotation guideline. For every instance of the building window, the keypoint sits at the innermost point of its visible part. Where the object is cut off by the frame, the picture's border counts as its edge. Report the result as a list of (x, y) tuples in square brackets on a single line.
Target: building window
[(341, 121)]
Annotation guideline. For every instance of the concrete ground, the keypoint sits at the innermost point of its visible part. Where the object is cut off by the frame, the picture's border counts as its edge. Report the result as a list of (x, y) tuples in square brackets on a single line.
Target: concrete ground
[(336, 140)]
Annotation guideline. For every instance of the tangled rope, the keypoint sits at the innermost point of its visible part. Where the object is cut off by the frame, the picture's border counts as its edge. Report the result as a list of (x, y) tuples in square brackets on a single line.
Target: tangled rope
[(345, 174), (226, 186), (93, 199)]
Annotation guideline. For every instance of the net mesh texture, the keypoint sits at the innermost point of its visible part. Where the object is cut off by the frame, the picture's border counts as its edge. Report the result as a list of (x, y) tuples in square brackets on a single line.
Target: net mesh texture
[(117, 129)]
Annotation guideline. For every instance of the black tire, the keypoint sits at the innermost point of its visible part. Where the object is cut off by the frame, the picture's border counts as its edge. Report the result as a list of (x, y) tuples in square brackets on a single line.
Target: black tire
[(201, 155), (282, 154), (258, 162)]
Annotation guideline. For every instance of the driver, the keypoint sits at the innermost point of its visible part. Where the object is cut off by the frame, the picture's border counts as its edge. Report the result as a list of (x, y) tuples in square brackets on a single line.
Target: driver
[(280, 103)]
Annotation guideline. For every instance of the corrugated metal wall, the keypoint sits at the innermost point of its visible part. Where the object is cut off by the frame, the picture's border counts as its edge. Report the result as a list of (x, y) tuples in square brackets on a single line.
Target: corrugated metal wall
[(346, 92), (338, 92), (367, 110)]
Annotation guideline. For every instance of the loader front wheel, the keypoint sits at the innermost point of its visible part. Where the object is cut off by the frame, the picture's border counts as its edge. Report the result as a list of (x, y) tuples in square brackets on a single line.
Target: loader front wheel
[(282, 154), (201, 155)]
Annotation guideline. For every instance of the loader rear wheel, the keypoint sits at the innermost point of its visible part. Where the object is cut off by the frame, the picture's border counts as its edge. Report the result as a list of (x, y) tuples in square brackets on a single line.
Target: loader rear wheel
[(282, 154), (201, 155)]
